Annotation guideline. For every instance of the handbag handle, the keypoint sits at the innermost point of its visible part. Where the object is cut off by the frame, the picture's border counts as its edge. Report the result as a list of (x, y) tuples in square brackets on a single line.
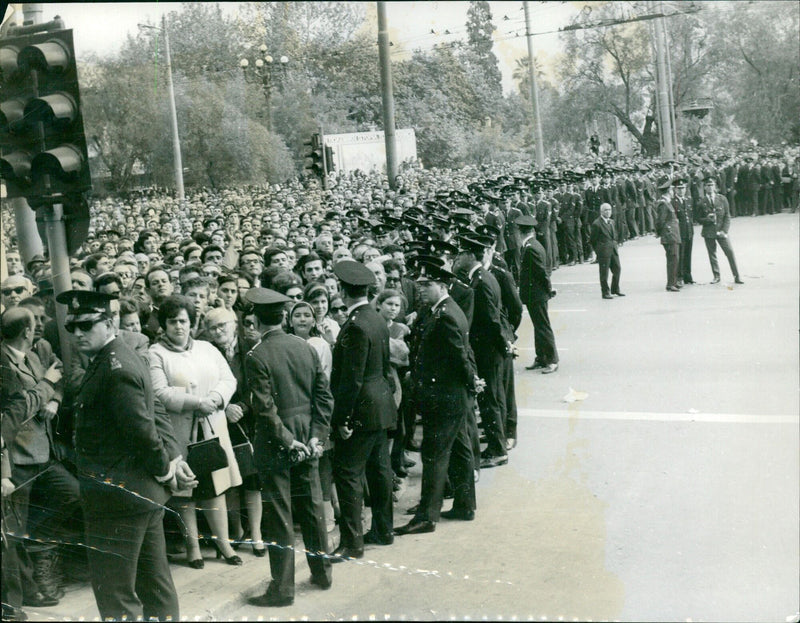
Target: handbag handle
[(241, 430), (196, 425)]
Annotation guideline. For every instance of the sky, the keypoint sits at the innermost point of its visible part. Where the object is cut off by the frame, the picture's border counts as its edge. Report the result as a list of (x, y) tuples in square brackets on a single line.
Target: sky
[(102, 27)]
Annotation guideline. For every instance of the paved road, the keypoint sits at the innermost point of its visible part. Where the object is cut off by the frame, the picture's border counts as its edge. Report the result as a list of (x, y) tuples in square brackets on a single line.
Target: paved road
[(670, 493)]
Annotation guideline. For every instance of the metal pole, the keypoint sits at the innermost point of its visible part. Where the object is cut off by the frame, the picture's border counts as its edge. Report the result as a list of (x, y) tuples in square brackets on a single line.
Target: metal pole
[(28, 239), (387, 97), (176, 141), (665, 127), (324, 159), (267, 84), (673, 125), (537, 121), (656, 109), (59, 260)]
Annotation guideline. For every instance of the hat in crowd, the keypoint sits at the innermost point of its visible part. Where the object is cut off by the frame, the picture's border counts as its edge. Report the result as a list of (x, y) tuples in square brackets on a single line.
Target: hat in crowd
[(80, 302), (526, 220), (432, 247), (266, 297), (44, 286), (36, 259), (475, 244), (353, 273), (492, 231), (426, 271), (709, 178), (679, 181), (664, 182)]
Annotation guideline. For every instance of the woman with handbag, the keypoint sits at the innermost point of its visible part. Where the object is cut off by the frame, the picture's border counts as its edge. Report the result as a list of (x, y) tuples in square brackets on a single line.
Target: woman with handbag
[(221, 327), (194, 382)]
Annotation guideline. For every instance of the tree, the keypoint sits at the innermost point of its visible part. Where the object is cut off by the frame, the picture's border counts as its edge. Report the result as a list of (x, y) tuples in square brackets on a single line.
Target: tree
[(481, 63)]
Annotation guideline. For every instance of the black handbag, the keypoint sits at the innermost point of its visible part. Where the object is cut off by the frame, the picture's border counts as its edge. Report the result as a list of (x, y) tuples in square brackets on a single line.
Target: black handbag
[(244, 455), (207, 455)]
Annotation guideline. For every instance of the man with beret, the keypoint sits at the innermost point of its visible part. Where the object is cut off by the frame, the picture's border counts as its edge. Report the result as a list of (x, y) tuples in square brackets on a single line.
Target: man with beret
[(535, 291), (292, 404), (444, 375), (125, 463), (716, 222), (604, 242), (363, 412), (668, 229)]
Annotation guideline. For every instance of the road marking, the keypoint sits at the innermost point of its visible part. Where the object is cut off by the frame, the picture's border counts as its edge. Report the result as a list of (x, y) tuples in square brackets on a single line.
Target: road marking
[(561, 311), (735, 418), (575, 283)]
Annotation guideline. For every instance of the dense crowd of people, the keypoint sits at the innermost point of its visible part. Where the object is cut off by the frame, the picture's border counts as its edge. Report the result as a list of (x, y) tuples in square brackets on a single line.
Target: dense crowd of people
[(309, 332)]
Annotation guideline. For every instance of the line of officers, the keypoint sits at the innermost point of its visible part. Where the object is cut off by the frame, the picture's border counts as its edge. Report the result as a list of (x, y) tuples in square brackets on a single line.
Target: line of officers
[(128, 460)]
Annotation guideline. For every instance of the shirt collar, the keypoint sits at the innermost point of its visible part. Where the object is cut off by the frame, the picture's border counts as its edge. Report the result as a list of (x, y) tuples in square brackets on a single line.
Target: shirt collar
[(439, 302), (356, 305), (528, 238), (18, 354), (472, 271)]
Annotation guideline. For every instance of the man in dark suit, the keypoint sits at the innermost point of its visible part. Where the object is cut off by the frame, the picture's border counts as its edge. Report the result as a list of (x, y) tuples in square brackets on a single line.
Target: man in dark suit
[(716, 222), (683, 208), (668, 229), (124, 468), (292, 405), (444, 375), (363, 412), (534, 291), (489, 339), (604, 243)]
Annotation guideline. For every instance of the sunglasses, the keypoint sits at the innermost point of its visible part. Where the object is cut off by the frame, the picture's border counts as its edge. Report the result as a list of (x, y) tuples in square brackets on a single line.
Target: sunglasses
[(339, 308), (84, 325), (17, 290), (249, 324)]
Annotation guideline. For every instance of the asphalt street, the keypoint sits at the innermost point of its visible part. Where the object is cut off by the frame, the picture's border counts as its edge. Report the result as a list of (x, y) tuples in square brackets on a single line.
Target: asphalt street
[(670, 492)]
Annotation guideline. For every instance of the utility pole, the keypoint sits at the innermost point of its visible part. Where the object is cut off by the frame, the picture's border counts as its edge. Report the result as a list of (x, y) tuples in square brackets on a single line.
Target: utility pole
[(673, 125), (176, 141), (28, 239), (537, 121), (664, 118), (387, 97)]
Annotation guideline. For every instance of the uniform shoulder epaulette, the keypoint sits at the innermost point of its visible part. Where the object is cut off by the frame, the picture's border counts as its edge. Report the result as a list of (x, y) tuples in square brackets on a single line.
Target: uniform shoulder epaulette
[(114, 362)]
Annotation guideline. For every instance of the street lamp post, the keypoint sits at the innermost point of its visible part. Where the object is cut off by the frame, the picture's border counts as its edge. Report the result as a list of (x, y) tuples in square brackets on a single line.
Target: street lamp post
[(176, 141), (268, 73)]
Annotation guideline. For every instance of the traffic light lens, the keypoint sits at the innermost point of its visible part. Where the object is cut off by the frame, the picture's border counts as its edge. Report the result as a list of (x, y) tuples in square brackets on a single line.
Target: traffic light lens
[(50, 108), (62, 162), (12, 113), (51, 56)]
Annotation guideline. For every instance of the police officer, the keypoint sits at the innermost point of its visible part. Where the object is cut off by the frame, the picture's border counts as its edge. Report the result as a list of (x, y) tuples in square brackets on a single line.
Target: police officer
[(292, 405), (125, 459)]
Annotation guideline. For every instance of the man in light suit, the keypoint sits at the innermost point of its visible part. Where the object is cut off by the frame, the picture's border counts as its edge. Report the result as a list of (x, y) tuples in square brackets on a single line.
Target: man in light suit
[(716, 222), (604, 242)]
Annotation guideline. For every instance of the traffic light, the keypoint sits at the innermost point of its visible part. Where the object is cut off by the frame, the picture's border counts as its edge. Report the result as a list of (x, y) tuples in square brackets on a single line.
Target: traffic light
[(329, 165), (313, 157), (42, 141)]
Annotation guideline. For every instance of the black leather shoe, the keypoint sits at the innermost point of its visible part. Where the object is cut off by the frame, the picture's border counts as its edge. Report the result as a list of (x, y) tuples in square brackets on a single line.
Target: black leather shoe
[(321, 581), (607, 296), (408, 462), (270, 600), (416, 527), (715, 280), (492, 461), (370, 538), (534, 366), (13, 614), (672, 289), (401, 472), (618, 294), (459, 513), (412, 510), (38, 600), (737, 280), (341, 553)]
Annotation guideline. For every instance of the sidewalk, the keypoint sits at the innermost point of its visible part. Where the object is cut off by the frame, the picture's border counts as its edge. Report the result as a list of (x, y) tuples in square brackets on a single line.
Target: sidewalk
[(208, 594)]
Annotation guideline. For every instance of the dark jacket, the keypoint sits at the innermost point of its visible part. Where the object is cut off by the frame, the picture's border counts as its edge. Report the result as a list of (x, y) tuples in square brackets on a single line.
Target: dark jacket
[(361, 380), (534, 280)]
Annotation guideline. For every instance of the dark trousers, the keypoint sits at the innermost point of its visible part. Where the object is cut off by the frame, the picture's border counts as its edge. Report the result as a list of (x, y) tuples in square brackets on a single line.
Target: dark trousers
[(685, 256), (363, 453), (446, 449), (543, 338), (510, 422), (129, 568), (290, 496), (671, 251), (727, 249), (604, 263), (492, 399), (630, 216)]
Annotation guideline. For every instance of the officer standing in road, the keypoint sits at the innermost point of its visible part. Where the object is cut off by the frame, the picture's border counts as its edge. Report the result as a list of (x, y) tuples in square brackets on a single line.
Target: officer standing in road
[(292, 405), (363, 412), (124, 467), (716, 222), (444, 374), (668, 229)]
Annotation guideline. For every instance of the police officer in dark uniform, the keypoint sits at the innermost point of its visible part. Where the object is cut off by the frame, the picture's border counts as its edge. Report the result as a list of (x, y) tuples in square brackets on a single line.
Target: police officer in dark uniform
[(125, 462), (444, 374), (363, 412), (292, 405)]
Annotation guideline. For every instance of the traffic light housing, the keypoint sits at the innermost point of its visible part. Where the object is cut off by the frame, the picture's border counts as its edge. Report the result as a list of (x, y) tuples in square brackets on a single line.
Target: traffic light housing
[(42, 140), (330, 167), (313, 162)]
